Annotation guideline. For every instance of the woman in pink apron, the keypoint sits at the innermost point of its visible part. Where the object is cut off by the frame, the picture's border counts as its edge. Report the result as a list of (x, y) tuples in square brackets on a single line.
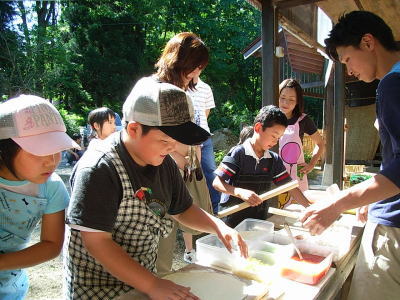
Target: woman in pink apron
[(290, 144)]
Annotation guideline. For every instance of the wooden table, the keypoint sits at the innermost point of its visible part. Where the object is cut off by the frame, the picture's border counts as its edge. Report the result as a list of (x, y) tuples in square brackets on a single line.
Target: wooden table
[(284, 289)]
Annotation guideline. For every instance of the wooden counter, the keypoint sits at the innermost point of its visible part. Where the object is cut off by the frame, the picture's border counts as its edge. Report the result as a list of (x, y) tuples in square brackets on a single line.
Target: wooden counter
[(284, 289)]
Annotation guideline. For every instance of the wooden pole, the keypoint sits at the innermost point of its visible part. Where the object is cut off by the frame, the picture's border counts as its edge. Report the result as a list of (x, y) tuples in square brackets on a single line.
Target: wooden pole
[(268, 195)]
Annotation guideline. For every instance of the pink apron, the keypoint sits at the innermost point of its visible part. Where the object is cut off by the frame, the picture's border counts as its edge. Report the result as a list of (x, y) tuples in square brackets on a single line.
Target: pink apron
[(292, 137)]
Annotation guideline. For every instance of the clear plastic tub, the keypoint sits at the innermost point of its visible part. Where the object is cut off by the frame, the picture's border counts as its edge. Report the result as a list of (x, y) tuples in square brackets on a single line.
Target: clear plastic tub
[(279, 250), (336, 239), (254, 229), (260, 266), (211, 252), (310, 270)]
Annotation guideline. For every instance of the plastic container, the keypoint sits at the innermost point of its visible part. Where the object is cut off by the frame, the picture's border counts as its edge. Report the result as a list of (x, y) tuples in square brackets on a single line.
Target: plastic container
[(211, 252), (279, 250), (254, 230), (326, 242), (310, 270), (261, 266)]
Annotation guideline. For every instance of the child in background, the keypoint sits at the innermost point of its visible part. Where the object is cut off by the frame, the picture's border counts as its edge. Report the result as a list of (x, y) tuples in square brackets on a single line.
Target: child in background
[(102, 121), (73, 155), (246, 133), (118, 122), (32, 137), (249, 169)]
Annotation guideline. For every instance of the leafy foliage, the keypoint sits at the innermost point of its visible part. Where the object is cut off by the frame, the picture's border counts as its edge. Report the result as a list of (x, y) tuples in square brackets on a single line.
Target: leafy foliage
[(89, 53), (72, 121), (219, 156), (86, 54)]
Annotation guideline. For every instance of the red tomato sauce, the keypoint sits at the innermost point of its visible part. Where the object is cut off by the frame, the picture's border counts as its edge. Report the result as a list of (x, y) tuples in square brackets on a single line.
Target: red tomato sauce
[(307, 270)]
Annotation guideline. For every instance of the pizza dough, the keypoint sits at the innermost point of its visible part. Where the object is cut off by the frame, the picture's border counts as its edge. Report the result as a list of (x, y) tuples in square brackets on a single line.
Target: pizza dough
[(208, 285)]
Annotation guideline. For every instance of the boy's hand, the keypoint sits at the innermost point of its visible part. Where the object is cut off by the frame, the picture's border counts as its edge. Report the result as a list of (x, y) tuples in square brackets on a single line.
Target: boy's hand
[(166, 289), (249, 196), (362, 213), (227, 235)]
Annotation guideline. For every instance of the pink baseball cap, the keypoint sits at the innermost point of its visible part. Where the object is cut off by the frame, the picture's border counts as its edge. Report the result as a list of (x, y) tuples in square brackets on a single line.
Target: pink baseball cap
[(35, 125)]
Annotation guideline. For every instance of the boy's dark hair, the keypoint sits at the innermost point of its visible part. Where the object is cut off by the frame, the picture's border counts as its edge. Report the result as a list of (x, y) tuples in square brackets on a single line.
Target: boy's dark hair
[(294, 84), (145, 128), (350, 29), (76, 136), (8, 152), (99, 116), (269, 116)]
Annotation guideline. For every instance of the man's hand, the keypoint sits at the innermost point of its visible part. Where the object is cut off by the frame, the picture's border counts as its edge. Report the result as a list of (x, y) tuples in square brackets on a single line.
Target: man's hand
[(362, 213), (320, 216), (249, 196)]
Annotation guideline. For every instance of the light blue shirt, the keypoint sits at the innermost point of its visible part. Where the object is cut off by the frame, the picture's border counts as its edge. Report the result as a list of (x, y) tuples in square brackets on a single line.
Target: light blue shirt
[(22, 206)]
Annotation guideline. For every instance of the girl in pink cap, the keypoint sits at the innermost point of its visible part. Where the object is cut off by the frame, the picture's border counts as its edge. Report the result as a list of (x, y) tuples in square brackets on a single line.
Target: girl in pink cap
[(32, 136)]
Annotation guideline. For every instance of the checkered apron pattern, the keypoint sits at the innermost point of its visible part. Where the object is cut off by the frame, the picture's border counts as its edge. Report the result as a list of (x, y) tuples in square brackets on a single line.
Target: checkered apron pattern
[(137, 229)]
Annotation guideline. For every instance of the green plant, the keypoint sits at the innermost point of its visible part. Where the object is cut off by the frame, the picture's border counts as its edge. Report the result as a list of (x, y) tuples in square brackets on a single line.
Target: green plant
[(219, 156), (72, 121), (307, 158), (357, 178)]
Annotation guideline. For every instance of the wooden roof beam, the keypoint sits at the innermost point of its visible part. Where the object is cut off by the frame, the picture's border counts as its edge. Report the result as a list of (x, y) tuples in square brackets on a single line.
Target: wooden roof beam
[(295, 61), (306, 65), (292, 3), (305, 62), (304, 69), (310, 56), (299, 34), (299, 47)]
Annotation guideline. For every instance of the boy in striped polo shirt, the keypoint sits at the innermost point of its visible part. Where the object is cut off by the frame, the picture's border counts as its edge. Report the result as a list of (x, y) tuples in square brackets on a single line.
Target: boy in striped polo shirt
[(249, 169)]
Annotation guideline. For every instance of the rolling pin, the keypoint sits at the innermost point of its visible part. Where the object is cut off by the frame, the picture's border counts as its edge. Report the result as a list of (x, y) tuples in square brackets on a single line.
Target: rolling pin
[(267, 195)]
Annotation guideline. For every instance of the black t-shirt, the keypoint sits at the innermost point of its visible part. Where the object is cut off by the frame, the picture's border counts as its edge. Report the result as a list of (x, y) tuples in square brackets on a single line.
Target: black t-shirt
[(97, 190), (306, 125)]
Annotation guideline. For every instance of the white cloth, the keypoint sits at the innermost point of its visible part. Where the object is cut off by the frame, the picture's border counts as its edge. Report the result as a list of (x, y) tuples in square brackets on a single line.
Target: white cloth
[(203, 99)]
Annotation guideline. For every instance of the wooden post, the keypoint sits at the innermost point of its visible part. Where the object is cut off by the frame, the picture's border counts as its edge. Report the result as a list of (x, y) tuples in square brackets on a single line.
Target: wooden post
[(270, 67), (338, 126)]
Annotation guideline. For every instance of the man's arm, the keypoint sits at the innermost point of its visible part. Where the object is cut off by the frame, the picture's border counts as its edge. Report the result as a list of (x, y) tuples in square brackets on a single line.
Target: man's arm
[(322, 214)]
